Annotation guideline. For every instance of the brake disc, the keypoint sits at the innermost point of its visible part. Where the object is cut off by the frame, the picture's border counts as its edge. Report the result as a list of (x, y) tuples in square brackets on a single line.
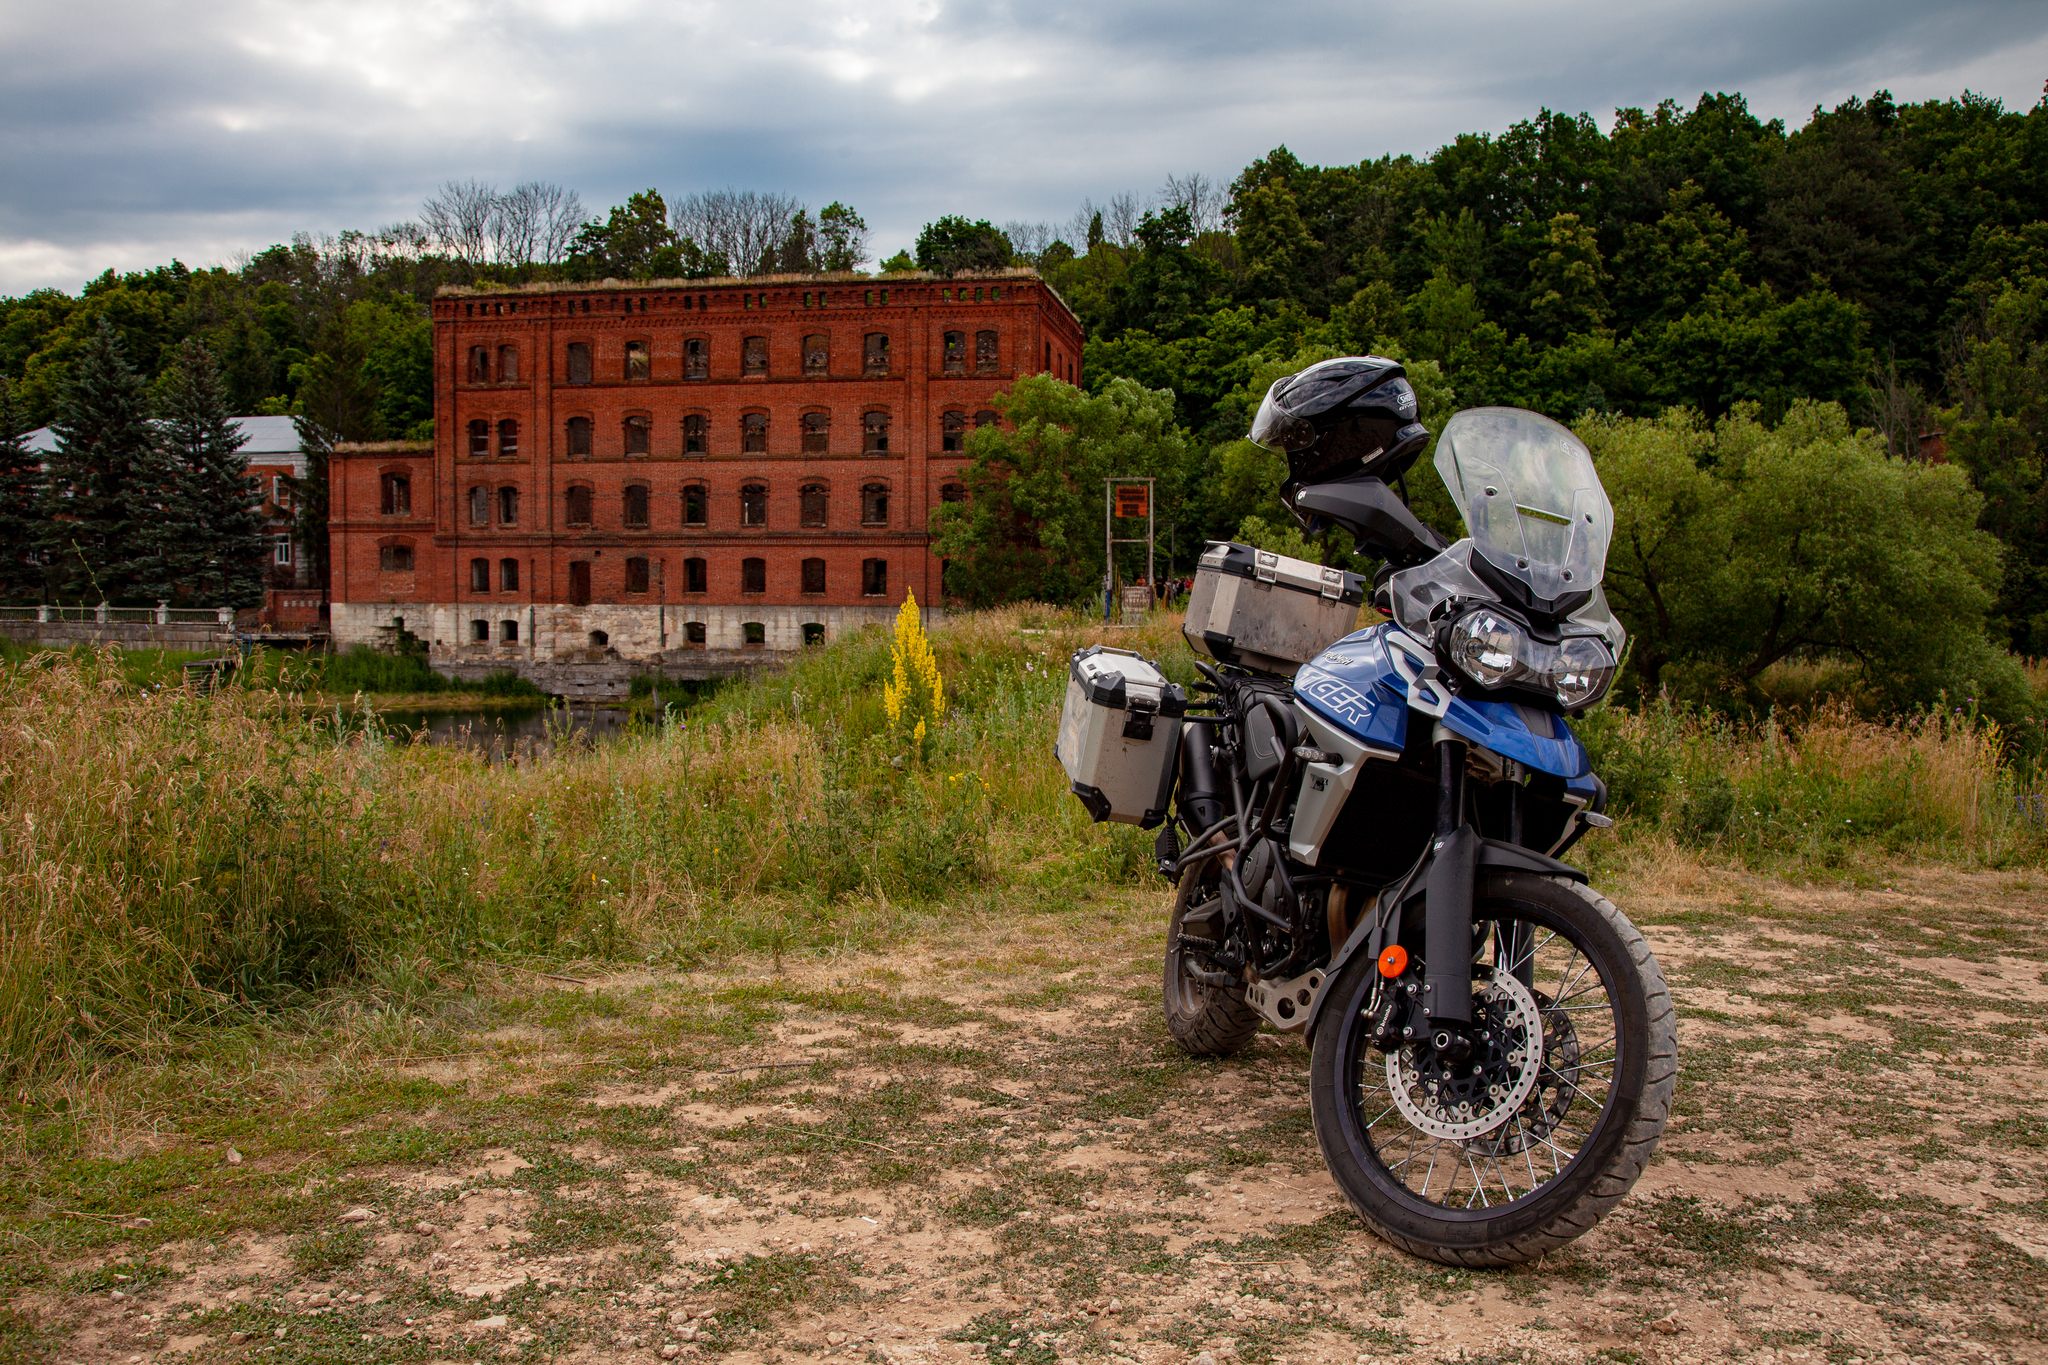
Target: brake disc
[(1457, 1101)]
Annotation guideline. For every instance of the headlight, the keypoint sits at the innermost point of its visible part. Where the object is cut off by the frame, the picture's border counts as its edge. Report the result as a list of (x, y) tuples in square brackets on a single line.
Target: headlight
[(1488, 647), (1495, 650)]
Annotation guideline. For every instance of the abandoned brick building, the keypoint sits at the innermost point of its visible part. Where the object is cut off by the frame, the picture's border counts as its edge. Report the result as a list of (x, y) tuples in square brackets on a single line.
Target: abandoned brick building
[(693, 471)]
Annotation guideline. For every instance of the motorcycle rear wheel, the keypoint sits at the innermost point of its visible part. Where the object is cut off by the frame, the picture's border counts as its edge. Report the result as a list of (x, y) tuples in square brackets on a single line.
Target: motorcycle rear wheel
[(1572, 1125), (1206, 1020)]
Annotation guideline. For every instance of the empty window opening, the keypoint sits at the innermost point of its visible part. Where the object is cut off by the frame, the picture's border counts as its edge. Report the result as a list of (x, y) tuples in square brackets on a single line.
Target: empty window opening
[(693, 631), (817, 353), (636, 504), (812, 501), (953, 431), (695, 430), (874, 578), (814, 633), (579, 505), (479, 438), (1048, 357), (754, 355), (977, 293), (508, 632), (479, 506), (955, 353), (579, 357), (480, 632), (397, 495), (508, 576), (753, 634), (508, 439), (694, 577), (953, 492), (696, 359), (508, 364), (636, 574), (579, 438), (636, 435), (754, 432), (875, 353), (754, 505), (874, 504), (986, 352), (817, 427), (985, 418), (586, 305), (479, 364), (395, 558), (753, 575), (599, 640), (508, 506), (636, 360), (814, 575), (579, 583), (694, 503), (479, 575), (874, 432)]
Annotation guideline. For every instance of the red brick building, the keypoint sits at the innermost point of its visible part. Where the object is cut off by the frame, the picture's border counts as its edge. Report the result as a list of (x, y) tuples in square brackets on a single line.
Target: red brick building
[(686, 470)]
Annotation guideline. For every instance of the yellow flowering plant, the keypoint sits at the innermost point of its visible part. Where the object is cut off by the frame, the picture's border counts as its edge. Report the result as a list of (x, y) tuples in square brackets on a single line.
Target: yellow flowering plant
[(915, 695)]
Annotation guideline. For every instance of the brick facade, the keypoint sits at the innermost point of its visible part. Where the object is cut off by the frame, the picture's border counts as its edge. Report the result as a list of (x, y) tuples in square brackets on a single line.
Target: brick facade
[(736, 455)]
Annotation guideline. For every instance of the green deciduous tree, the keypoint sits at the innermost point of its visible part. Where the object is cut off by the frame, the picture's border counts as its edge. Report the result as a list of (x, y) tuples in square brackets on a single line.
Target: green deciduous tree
[(953, 244)]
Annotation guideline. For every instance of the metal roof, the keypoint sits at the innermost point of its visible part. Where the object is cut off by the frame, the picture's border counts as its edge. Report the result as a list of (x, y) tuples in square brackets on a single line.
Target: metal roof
[(268, 436)]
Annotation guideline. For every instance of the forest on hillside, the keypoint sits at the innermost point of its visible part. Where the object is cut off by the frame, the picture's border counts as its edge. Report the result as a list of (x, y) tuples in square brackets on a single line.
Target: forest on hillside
[(1690, 265)]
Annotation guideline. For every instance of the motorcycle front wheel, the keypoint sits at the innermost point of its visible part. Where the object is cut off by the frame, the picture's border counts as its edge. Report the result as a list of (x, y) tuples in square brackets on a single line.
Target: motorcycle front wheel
[(1521, 1147)]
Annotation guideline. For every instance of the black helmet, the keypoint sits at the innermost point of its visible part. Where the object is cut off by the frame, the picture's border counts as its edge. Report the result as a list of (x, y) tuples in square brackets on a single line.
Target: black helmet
[(1352, 415)]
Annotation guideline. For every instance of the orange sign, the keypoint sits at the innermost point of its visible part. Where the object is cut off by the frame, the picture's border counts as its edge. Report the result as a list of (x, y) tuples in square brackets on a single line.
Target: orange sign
[(1131, 499)]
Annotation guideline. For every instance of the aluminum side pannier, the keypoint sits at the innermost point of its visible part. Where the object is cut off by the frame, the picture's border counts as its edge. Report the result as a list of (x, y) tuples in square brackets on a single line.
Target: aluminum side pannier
[(1120, 735), (1266, 612)]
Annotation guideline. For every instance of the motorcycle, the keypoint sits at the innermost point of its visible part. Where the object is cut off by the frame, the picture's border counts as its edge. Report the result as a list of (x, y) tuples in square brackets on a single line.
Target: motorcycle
[(1370, 852)]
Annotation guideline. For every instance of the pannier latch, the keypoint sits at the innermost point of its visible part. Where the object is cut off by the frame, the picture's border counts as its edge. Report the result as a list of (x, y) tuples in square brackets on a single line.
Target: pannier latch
[(1266, 568), (1138, 718), (1333, 583)]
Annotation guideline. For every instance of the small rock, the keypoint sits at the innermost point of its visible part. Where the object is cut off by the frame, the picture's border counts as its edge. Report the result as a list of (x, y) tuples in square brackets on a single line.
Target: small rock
[(279, 1333), (1203, 1359), (437, 1261), (688, 1333), (1668, 1325), (835, 1338), (671, 1351), (423, 1229), (117, 1294), (237, 1338), (496, 1322), (357, 1216), (1115, 1306), (234, 1157)]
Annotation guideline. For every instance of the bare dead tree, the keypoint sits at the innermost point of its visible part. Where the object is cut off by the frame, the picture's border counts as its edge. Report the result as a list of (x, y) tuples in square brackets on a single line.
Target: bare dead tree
[(1028, 241), (1121, 218), (561, 217), (744, 226), (1200, 195), (459, 218)]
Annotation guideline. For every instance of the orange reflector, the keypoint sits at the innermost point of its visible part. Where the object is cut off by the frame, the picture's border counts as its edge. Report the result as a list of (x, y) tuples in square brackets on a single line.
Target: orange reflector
[(1393, 961)]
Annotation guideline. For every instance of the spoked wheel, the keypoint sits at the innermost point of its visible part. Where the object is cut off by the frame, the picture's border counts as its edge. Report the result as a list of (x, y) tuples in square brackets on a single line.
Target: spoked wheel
[(1206, 1019), (1522, 1146)]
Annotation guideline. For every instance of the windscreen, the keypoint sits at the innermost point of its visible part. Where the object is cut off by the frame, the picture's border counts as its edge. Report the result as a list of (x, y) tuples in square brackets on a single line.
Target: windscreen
[(1526, 488)]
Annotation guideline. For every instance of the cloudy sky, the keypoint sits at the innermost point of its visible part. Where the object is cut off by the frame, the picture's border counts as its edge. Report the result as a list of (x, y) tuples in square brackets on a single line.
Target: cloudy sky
[(136, 130)]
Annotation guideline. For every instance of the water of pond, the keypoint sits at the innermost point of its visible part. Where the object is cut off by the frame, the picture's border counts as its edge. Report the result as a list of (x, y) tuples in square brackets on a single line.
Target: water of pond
[(501, 732)]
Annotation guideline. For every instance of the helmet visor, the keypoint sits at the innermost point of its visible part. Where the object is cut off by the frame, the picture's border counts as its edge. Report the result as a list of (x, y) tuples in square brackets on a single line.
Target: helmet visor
[(1275, 428)]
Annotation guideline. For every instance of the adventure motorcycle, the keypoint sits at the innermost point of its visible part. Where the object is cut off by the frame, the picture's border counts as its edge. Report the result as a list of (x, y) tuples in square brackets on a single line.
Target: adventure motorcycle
[(1368, 851)]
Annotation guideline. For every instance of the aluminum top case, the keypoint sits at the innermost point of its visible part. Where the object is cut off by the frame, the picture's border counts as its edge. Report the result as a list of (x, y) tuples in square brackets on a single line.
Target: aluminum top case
[(1266, 612), (1120, 735)]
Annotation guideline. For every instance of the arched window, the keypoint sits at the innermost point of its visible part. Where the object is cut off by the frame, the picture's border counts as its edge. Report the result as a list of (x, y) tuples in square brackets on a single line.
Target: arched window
[(814, 575), (986, 352), (754, 432), (479, 575), (508, 506), (508, 580), (955, 353), (508, 632), (694, 580), (394, 558), (693, 631), (985, 418), (479, 438), (508, 364), (579, 362), (479, 506), (636, 360), (953, 431), (953, 492), (814, 632), (480, 632), (817, 354), (694, 504), (397, 496), (753, 634), (874, 504), (479, 364), (636, 574), (874, 432), (753, 505), (874, 356), (508, 439), (695, 430), (754, 355), (579, 505), (636, 504), (812, 500), (636, 435), (753, 575), (579, 438), (817, 427)]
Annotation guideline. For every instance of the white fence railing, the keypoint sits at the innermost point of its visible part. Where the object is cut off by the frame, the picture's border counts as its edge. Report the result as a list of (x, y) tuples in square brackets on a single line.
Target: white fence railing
[(162, 614)]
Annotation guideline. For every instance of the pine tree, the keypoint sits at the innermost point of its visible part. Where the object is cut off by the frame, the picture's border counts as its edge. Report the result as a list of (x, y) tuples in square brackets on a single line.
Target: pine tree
[(93, 503), (211, 549), (21, 513)]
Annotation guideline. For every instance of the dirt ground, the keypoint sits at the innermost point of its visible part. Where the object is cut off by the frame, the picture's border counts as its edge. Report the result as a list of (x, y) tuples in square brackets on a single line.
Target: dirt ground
[(987, 1149)]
